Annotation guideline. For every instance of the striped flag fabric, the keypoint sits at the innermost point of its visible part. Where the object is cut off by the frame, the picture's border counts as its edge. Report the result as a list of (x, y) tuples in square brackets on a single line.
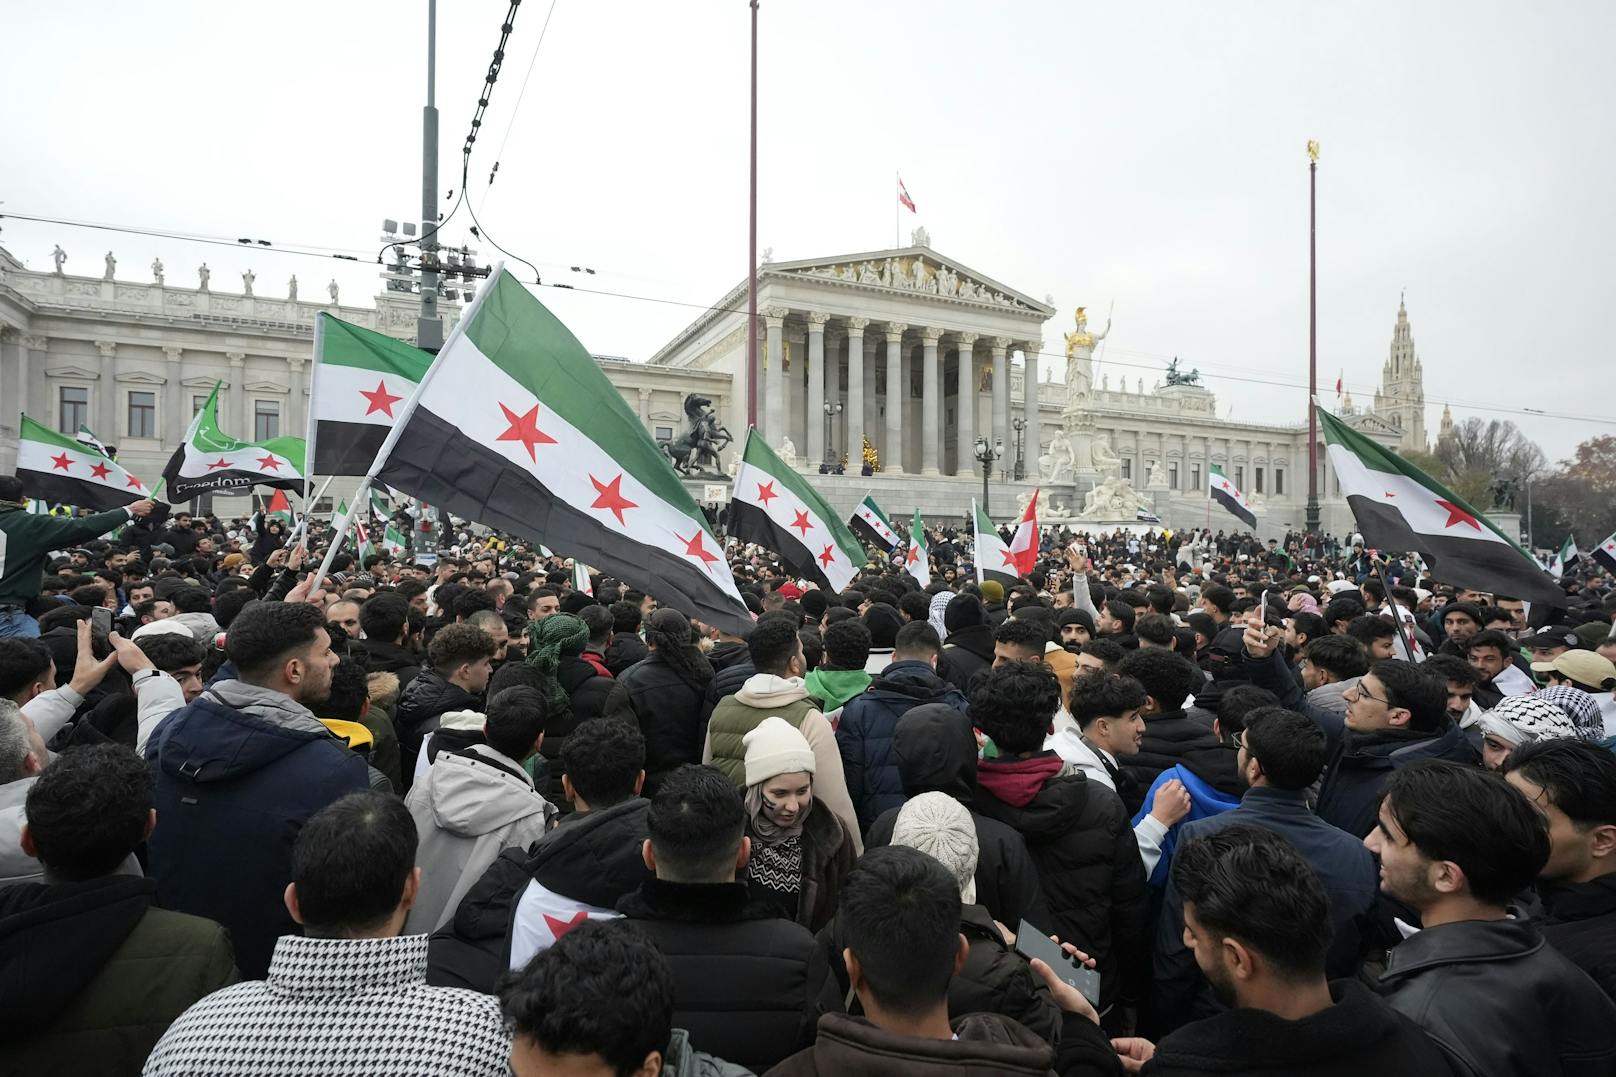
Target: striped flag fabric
[(994, 559), (580, 578), (1605, 554), (64, 470), (1399, 507), (1563, 560), (279, 508), (1225, 493), (516, 426), (393, 541), (917, 561), (210, 460), (871, 524), (87, 437), (903, 196), (359, 384), (773, 506), (1024, 544)]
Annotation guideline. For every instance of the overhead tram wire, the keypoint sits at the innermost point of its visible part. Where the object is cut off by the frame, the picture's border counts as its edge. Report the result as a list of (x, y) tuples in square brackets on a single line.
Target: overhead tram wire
[(305, 250)]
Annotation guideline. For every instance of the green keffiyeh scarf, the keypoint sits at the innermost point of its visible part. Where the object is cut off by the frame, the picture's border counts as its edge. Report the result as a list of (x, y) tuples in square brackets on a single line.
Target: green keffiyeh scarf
[(547, 641)]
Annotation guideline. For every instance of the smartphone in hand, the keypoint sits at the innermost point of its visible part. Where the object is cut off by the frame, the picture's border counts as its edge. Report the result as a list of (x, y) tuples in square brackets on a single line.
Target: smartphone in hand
[(1032, 942), (101, 621)]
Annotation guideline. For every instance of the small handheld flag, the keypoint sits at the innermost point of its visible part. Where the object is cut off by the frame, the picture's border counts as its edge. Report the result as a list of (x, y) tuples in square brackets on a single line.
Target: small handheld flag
[(917, 562), (1225, 493)]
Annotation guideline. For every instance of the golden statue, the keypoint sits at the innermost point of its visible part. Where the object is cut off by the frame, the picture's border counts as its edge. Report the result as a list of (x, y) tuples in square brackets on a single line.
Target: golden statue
[(1080, 361), (1312, 151), (1080, 337)]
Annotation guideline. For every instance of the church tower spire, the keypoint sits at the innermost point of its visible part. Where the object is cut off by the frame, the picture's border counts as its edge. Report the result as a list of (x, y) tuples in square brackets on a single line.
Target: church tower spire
[(1400, 400)]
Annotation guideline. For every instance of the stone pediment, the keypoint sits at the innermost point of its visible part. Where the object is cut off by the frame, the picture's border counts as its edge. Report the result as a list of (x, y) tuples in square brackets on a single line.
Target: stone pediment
[(140, 377), (1369, 423), (264, 386), (204, 383), (77, 372), (916, 270)]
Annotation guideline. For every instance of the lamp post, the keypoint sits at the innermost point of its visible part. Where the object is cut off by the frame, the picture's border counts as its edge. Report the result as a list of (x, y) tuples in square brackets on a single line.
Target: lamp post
[(1021, 425), (987, 452), (833, 408)]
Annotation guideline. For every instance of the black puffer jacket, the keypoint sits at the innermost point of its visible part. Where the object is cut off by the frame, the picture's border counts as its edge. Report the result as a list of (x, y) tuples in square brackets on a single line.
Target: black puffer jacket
[(967, 652), (587, 690), (1179, 737), (936, 752), (428, 697), (623, 650), (391, 658), (1087, 859), (666, 704), (1580, 921), (748, 986), (729, 653)]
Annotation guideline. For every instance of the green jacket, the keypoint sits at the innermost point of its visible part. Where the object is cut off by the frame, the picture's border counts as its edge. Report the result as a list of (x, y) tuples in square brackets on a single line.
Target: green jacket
[(25, 540), (733, 719), (836, 686)]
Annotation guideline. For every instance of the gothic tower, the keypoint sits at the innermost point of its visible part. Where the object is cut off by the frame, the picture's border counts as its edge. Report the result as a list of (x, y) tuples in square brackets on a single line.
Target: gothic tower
[(1401, 397)]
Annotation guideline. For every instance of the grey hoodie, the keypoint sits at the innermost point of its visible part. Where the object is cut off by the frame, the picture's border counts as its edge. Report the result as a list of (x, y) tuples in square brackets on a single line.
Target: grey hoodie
[(1328, 696), (467, 808)]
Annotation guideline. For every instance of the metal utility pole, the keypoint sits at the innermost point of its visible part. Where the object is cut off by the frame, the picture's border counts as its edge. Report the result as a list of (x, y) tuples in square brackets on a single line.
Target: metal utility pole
[(429, 327), (1312, 338), (752, 256)]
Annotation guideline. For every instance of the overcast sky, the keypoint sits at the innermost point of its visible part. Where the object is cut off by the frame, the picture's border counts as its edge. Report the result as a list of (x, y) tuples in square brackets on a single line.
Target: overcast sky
[(1146, 155)]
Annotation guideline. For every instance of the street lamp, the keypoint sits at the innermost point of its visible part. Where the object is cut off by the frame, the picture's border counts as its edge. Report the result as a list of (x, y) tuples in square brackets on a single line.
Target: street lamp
[(987, 453), (1021, 425), (828, 466)]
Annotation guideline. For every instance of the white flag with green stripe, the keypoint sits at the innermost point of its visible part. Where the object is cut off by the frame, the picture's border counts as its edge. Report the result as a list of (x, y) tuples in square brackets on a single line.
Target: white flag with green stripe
[(917, 561), (54, 467), (871, 524), (774, 506), (393, 541), (1562, 560), (210, 460), (994, 559)]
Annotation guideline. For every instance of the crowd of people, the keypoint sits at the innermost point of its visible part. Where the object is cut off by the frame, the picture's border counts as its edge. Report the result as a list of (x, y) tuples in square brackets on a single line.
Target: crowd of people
[(1170, 804)]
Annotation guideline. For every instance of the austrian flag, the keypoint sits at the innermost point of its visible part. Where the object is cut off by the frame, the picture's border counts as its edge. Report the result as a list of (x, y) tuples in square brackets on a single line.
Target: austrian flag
[(64, 470), (903, 196)]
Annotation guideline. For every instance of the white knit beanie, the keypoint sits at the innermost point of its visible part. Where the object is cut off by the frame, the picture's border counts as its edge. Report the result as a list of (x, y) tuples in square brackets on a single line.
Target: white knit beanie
[(776, 747), (939, 826)]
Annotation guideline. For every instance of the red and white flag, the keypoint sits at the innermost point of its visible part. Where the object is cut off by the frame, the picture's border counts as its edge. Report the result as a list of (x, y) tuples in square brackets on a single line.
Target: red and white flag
[(903, 196), (1024, 546), (1338, 387)]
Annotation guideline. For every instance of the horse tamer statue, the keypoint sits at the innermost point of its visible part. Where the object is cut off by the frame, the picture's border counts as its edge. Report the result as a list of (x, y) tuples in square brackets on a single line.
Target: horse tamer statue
[(696, 450)]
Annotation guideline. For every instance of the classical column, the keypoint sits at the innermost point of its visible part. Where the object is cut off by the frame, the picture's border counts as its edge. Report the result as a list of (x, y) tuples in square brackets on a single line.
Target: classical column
[(774, 382), (1001, 394), (175, 415), (645, 408), (109, 428), (872, 402), (816, 388), (855, 393), (965, 409), (238, 386), (32, 345), (10, 357), (1029, 406), (931, 437), (897, 392), (297, 416)]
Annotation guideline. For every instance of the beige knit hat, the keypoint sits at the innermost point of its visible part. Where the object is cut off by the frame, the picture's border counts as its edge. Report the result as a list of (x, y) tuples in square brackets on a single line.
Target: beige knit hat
[(776, 747), (942, 828)]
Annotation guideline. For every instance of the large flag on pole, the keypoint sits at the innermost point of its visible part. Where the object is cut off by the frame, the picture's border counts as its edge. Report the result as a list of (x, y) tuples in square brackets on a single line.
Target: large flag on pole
[(917, 562), (872, 525), (903, 196), (1399, 507), (359, 384), (994, 559), (1024, 544), (773, 506), (1562, 560), (1225, 493), (211, 460), (516, 426), (56, 468)]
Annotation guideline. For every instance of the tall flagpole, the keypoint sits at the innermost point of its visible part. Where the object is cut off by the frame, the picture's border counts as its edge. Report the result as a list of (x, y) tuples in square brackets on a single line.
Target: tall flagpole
[(1312, 338), (752, 255), (896, 229)]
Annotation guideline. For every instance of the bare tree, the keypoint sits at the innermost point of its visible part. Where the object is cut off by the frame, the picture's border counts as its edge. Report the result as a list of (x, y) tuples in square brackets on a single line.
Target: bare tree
[(1489, 457)]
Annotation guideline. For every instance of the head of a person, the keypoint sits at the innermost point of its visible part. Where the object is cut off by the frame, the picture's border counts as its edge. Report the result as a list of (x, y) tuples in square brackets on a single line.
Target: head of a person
[(492, 623), (1490, 651), (1217, 601), (1155, 630), (1572, 783), (883, 620), (353, 868), (1099, 655), (1106, 708), (1168, 677), (284, 646), (1015, 704), (1461, 678), (22, 750), (1255, 915), (1396, 695), (385, 617), (1329, 659), (1514, 607), (667, 629), (779, 772), (342, 618), (1517, 720), (964, 611), (11, 488), (1019, 641), (1447, 833), (463, 655), (545, 602), (1460, 621), (26, 669), (1377, 634), (88, 811), (847, 643), (598, 619), (697, 826), (1281, 749), (1588, 670), (596, 1003), (602, 763), (179, 655), (774, 647), (943, 829), (917, 642), (1076, 627), (515, 725), (899, 915), (1116, 618)]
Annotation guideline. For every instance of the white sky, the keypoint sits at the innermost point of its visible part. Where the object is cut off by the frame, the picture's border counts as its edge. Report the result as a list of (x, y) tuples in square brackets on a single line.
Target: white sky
[(1146, 155)]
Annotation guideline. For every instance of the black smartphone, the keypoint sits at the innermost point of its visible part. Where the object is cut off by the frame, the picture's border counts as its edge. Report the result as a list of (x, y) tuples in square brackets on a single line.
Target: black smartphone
[(1031, 943), (101, 621)]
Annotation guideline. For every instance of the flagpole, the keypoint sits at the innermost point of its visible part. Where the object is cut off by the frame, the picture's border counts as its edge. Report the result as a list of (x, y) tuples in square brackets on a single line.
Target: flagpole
[(752, 255), (1403, 636), (896, 228), (303, 524), (1313, 339), (309, 427)]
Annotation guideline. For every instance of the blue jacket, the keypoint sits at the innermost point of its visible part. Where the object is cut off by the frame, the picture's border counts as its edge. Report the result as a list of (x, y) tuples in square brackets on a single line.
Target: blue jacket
[(1342, 863), (868, 723), (239, 771), (1205, 802)]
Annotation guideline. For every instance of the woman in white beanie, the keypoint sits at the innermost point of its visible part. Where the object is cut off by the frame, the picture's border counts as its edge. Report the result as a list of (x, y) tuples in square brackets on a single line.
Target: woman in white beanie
[(799, 855)]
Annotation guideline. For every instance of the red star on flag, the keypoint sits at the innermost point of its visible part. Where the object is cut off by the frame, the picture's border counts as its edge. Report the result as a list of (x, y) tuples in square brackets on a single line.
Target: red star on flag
[(827, 557), (525, 428), (766, 492), (914, 554), (560, 927), (611, 497), (694, 548), (1009, 558), (269, 463), (62, 462), (220, 462), (1457, 515), (100, 470), (134, 483), (801, 523), (380, 399)]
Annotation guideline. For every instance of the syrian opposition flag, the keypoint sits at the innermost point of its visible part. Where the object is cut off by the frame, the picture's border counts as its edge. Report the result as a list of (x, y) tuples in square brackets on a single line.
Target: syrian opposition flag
[(56, 468), (1562, 560), (871, 524), (393, 541), (994, 559), (1399, 507), (903, 196), (1024, 544), (1224, 493), (87, 436), (360, 382), (917, 561), (580, 578), (1605, 554), (773, 506), (516, 426), (211, 460)]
